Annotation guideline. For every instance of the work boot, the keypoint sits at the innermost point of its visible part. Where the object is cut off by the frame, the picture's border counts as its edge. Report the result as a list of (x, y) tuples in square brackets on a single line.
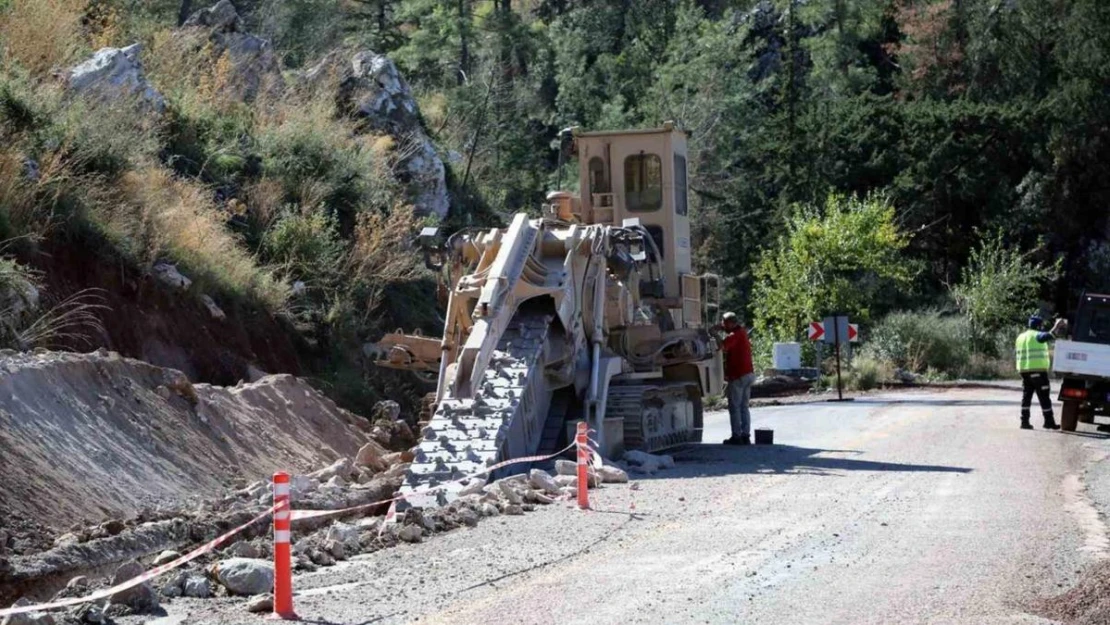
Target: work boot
[(1025, 425), (745, 440), (732, 440), (1050, 423)]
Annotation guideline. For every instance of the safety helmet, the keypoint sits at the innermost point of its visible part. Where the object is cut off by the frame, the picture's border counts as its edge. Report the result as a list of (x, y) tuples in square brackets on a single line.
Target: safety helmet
[(1035, 322)]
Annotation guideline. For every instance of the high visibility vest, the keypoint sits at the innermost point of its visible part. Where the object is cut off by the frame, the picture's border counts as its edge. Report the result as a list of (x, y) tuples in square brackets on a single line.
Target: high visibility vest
[(1030, 355)]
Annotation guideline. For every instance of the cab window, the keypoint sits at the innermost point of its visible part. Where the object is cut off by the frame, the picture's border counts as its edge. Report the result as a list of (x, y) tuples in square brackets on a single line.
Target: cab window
[(680, 184), (643, 183), (599, 178)]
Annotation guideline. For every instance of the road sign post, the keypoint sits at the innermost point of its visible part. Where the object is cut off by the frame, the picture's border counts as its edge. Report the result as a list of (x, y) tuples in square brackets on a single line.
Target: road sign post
[(835, 330)]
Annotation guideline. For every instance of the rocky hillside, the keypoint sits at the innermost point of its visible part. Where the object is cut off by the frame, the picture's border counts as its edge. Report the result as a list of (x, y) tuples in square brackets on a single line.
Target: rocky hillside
[(185, 199)]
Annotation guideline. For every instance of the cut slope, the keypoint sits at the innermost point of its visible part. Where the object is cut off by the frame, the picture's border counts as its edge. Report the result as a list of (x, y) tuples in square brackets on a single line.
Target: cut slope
[(88, 437)]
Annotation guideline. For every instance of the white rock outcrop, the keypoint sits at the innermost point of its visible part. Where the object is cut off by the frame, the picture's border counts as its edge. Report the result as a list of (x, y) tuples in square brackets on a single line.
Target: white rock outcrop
[(373, 90), (113, 74)]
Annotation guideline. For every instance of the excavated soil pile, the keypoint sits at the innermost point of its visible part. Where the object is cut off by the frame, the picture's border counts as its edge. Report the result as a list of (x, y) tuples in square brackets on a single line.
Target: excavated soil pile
[(88, 437), (1086, 604)]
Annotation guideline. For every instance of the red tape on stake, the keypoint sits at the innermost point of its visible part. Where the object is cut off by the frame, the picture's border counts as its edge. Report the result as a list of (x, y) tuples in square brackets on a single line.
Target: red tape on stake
[(151, 574), (293, 516)]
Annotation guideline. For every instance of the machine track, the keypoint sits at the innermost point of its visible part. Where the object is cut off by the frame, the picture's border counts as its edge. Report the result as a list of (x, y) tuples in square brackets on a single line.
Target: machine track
[(504, 420), (656, 417)]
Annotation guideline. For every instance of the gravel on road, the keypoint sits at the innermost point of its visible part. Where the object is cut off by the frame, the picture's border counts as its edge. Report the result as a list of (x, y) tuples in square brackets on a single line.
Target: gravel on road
[(911, 508)]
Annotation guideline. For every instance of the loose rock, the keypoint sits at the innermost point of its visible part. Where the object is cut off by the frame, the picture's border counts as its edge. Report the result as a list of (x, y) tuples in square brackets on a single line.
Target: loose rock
[(197, 586), (165, 557), (141, 598), (372, 455), (265, 603), (542, 480), (566, 467), (411, 534), (612, 475), (245, 576)]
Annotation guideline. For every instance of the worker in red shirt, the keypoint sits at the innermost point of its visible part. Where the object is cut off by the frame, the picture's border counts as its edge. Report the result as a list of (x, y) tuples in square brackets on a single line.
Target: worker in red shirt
[(739, 375)]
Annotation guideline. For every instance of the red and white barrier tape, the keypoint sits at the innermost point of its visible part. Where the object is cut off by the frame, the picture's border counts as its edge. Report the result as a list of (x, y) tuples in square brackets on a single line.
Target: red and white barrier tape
[(294, 514), (135, 581), (312, 514)]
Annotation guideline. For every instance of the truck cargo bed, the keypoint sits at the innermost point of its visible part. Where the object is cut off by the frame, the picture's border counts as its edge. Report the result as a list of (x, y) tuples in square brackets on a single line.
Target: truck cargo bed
[(1082, 359)]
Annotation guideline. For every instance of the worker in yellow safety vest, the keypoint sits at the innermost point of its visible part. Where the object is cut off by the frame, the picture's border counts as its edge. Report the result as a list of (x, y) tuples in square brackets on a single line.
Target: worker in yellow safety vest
[(1033, 361)]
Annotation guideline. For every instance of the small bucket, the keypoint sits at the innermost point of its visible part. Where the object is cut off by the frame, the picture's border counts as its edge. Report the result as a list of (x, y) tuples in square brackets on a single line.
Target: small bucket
[(764, 437)]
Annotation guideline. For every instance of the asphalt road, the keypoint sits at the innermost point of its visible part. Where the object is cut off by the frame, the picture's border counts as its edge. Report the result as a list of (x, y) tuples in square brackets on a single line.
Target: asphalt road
[(911, 508)]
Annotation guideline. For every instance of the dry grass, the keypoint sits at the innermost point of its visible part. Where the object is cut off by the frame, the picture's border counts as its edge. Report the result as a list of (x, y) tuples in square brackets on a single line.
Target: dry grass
[(176, 219), (42, 35), (382, 254)]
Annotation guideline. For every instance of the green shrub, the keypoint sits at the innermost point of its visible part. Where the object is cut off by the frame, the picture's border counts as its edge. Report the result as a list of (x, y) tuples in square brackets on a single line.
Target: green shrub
[(918, 341), (306, 245), (869, 373), (1000, 285)]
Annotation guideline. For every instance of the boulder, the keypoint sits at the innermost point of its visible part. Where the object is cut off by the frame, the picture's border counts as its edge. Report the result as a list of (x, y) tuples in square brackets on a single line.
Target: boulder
[(221, 16), (542, 480), (174, 586), (243, 549), (372, 455), (244, 576), (468, 517), (509, 493), (18, 297), (566, 467), (337, 549), (346, 535), (27, 618), (197, 587), (301, 486), (342, 467), (168, 275), (251, 67), (113, 74), (388, 409), (141, 598), (514, 509), (612, 475), (411, 534), (488, 509), (372, 90)]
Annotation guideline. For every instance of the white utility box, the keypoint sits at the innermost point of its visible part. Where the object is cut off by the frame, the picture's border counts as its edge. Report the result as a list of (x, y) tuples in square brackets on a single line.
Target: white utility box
[(786, 356)]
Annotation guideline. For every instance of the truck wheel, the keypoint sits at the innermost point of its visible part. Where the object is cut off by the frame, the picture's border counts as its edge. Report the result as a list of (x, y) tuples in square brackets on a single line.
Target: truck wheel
[(1087, 414), (1069, 416)]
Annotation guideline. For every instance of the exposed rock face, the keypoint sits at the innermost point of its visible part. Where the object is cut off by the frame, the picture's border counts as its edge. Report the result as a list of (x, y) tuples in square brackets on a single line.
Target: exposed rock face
[(115, 73), (252, 68), (373, 90)]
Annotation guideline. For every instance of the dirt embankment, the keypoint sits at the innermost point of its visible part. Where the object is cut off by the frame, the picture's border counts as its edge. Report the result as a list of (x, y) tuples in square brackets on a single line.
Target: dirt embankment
[(84, 438)]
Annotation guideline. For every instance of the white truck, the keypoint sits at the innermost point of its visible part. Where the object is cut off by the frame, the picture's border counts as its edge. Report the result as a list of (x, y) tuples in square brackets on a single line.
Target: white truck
[(1084, 363)]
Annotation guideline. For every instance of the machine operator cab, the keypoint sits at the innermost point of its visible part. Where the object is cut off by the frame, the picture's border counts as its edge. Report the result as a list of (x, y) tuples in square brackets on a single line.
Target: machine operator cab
[(641, 174)]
